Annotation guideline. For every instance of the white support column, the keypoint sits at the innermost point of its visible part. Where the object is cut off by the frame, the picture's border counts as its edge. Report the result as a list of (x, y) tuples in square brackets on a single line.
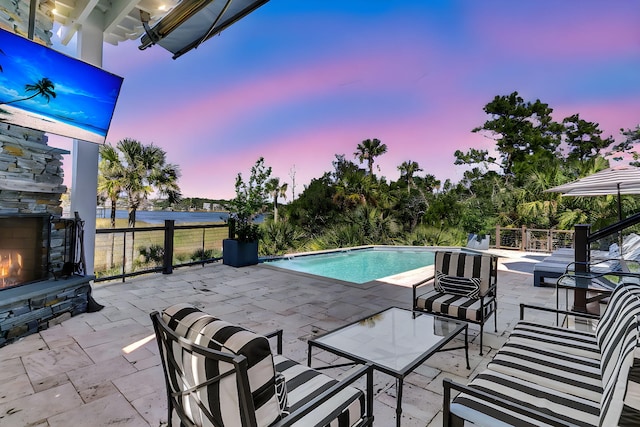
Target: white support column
[(84, 183)]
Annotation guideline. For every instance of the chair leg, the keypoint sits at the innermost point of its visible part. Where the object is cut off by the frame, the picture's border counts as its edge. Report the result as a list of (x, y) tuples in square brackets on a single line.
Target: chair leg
[(495, 315), (455, 421), (481, 334)]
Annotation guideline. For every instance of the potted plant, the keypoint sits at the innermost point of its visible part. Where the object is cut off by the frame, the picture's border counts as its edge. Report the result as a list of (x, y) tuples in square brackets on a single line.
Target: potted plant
[(241, 248)]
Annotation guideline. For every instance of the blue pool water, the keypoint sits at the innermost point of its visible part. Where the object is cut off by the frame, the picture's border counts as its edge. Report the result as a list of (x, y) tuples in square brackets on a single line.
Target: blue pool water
[(359, 265)]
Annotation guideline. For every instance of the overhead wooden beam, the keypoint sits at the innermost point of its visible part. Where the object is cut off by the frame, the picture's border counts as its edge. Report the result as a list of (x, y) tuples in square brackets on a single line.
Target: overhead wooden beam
[(80, 12), (118, 11)]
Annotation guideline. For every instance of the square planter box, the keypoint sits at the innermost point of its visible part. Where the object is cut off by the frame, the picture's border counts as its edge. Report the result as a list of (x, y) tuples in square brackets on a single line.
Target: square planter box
[(239, 254)]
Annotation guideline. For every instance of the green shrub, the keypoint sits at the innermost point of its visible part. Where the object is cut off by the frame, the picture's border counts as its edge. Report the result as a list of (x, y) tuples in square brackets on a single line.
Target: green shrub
[(153, 254), (202, 254)]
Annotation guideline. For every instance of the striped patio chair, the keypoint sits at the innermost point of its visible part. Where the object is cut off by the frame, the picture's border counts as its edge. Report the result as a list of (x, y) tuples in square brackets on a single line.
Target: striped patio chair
[(463, 287), (219, 374)]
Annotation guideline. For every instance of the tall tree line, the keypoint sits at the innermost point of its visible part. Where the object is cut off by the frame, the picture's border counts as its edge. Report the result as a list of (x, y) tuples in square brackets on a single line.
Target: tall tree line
[(503, 184)]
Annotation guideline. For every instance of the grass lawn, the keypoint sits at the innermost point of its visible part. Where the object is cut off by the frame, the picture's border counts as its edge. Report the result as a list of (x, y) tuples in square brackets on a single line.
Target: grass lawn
[(113, 248)]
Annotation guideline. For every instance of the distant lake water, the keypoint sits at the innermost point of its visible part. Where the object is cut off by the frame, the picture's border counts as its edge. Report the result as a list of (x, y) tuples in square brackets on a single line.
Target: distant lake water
[(158, 217)]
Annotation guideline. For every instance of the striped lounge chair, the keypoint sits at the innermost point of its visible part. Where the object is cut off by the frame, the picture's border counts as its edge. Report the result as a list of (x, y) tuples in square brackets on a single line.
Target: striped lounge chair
[(463, 287), (221, 375), (552, 376)]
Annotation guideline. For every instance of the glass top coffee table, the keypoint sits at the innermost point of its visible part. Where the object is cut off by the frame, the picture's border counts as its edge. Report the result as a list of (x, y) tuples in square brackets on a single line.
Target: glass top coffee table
[(394, 341), (597, 285)]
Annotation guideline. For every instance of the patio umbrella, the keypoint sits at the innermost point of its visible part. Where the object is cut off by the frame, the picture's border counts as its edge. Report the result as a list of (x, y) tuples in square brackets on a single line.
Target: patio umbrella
[(617, 181)]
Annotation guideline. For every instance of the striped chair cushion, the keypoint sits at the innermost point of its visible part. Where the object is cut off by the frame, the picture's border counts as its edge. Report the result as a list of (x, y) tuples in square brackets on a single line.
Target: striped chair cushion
[(464, 286), (461, 264), (453, 305), (344, 409), (621, 396), (630, 415), (557, 370), (624, 304), (222, 396), (570, 341), (617, 335), (571, 409), (620, 314)]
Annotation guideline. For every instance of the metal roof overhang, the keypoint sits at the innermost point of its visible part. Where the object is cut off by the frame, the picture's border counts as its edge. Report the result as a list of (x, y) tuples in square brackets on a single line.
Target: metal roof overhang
[(192, 22)]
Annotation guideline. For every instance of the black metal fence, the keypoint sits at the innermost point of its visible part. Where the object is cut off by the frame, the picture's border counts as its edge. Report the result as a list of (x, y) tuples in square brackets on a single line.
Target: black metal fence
[(126, 252)]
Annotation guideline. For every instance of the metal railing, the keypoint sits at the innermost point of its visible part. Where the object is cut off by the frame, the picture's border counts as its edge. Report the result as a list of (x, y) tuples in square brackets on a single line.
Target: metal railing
[(584, 238), (533, 239), (126, 252)]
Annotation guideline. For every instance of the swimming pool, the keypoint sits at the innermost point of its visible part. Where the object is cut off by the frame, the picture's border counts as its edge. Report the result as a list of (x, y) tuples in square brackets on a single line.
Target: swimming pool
[(359, 265)]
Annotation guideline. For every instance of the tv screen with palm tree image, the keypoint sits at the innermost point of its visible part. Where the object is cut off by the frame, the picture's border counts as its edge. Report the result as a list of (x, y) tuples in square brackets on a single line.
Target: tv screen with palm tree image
[(46, 90)]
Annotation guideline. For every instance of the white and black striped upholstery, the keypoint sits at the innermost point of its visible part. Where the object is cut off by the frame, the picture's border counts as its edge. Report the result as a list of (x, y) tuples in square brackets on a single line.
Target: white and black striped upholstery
[(531, 395), (222, 399), (557, 370), (343, 409), (571, 341), (617, 335), (464, 288), (467, 265), (220, 374), (570, 376), (452, 305)]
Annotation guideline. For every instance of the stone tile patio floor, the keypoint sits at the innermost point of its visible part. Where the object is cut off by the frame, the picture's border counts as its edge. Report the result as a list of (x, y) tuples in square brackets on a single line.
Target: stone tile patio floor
[(103, 368)]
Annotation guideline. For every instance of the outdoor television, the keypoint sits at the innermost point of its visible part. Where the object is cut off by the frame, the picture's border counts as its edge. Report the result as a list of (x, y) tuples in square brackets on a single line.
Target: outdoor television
[(46, 90)]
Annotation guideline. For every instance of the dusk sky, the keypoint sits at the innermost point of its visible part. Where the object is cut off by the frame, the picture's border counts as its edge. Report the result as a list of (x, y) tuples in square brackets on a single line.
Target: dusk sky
[(298, 82)]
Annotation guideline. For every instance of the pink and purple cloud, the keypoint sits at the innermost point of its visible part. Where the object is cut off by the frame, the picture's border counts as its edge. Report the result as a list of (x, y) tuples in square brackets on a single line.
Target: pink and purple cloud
[(299, 82)]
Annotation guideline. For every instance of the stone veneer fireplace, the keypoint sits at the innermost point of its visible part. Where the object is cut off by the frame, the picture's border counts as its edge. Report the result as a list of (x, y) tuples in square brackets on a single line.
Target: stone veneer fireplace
[(24, 242), (41, 282)]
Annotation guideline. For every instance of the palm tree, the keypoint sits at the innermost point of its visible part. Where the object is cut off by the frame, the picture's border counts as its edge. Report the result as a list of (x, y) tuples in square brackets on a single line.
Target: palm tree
[(276, 190), (110, 177), (43, 87), (431, 183), (368, 150), (407, 169), (356, 188), (144, 170)]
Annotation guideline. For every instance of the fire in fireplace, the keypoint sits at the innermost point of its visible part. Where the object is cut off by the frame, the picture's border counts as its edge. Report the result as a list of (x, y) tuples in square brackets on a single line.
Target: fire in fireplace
[(10, 268), (24, 249)]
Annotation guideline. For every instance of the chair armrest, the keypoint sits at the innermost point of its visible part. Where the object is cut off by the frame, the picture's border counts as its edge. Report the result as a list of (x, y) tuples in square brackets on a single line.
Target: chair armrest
[(497, 401), (492, 289), (423, 282), (278, 335), (417, 285), (367, 370), (556, 311)]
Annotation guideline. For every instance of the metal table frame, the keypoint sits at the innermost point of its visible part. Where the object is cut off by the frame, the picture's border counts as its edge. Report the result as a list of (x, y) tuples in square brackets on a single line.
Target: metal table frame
[(592, 282), (407, 368)]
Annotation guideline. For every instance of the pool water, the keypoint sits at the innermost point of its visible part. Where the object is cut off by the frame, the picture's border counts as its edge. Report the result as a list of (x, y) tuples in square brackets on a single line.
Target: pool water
[(359, 265)]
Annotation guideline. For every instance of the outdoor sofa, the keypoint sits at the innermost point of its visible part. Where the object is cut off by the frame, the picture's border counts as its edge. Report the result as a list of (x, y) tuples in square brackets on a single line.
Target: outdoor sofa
[(220, 374), (552, 376)]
